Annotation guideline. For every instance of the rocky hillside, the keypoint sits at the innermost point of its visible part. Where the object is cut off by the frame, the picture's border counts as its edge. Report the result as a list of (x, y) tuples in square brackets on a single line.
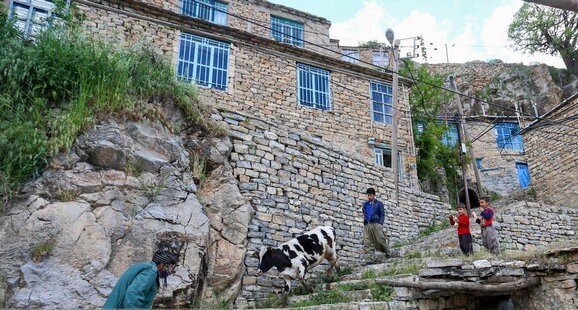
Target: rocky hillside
[(536, 89), (123, 190)]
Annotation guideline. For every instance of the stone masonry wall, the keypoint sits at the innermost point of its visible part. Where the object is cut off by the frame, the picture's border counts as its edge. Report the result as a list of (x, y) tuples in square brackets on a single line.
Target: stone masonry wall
[(263, 81), (252, 15), (122, 30), (498, 173), (553, 156), (527, 225), (296, 182)]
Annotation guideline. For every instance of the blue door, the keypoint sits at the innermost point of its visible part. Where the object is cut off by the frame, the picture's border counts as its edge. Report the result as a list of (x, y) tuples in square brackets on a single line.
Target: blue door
[(523, 174)]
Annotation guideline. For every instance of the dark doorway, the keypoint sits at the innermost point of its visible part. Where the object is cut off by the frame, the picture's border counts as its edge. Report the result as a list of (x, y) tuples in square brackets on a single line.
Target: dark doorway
[(474, 199), (494, 303)]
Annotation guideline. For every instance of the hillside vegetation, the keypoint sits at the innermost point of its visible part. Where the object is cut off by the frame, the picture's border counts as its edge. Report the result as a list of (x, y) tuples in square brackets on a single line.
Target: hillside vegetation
[(53, 87)]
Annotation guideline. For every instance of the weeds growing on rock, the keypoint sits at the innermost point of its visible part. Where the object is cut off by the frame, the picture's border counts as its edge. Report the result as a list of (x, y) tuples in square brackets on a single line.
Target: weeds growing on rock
[(67, 195), (324, 297), (43, 250)]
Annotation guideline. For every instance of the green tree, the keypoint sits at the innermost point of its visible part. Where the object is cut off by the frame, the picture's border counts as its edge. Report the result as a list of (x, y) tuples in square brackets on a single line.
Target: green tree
[(427, 100), (540, 29)]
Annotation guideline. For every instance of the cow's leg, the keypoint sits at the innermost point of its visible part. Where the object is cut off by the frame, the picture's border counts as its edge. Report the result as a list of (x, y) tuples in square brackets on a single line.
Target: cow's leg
[(301, 277), (286, 290), (332, 259)]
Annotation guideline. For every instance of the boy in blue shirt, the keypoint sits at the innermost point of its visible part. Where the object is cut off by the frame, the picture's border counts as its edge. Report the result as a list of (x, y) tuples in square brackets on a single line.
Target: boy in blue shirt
[(373, 218)]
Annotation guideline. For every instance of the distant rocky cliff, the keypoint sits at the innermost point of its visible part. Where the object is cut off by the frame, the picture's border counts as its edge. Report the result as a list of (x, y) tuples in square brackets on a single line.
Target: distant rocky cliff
[(535, 89)]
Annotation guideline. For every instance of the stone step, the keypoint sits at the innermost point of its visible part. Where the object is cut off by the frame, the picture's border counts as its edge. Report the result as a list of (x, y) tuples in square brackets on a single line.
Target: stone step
[(355, 295), (363, 305)]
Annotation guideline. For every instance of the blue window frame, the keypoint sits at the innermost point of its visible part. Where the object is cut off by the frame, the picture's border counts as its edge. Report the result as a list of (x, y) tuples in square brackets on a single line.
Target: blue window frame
[(508, 137), (479, 163), (30, 16), (204, 61), (381, 102), (287, 31), (350, 56), (523, 174), (313, 89), (209, 10), (450, 137)]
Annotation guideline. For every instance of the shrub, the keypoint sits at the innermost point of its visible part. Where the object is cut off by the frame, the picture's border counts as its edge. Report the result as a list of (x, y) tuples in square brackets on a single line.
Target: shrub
[(54, 87)]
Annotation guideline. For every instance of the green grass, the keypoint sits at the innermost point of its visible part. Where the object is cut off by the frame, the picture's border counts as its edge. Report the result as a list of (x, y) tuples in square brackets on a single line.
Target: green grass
[(434, 228), (55, 87), (334, 296)]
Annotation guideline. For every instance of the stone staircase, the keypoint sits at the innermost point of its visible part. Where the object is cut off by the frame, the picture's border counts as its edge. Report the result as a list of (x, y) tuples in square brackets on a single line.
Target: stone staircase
[(431, 273)]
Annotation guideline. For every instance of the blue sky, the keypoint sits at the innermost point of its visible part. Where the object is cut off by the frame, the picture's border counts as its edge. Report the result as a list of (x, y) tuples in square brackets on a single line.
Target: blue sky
[(472, 29)]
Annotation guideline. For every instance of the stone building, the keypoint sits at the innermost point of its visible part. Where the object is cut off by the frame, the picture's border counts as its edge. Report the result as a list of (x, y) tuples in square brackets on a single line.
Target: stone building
[(310, 131), (552, 154), (499, 154)]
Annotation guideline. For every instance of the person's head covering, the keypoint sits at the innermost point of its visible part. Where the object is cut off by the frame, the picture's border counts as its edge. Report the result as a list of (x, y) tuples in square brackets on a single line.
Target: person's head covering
[(165, 257)]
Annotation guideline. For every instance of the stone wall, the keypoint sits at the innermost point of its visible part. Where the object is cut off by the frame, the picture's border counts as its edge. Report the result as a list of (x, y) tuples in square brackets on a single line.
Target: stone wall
[(254, 16), (296, 182), (263, 78), (528, 225), (498, 173), (552, 155)]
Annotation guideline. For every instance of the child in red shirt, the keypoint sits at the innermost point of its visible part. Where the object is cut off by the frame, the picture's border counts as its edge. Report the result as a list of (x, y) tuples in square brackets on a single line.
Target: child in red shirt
[(463, 223)]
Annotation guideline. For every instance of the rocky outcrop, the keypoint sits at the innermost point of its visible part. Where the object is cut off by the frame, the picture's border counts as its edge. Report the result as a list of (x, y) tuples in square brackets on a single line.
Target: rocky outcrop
[(124, 190), (535, 89)]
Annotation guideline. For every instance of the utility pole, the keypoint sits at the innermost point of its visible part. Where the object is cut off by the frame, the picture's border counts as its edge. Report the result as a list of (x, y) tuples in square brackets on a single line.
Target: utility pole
[(394, 114), (463, 164), (463, 148), (447, 56)]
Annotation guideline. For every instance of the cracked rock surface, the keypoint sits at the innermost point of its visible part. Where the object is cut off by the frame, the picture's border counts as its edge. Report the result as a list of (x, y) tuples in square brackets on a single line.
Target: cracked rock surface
[(121, 192)]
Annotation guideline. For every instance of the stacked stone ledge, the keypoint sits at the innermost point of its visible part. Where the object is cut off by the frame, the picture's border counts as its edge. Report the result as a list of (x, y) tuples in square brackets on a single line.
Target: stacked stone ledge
[(295, 183)]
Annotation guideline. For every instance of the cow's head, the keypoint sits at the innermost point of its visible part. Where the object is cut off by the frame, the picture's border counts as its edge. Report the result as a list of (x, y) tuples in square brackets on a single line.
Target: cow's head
[(271, 257)]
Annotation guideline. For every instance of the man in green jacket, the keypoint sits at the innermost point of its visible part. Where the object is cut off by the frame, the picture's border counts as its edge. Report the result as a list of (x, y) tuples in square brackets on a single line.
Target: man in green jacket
[(138, 285)]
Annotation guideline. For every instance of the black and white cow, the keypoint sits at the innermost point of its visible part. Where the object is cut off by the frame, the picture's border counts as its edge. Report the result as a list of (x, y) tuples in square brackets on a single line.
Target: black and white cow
[(293, 258)]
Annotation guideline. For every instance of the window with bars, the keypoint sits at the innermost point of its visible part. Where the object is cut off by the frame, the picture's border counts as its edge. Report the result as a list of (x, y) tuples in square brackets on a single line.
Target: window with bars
[(313, 87), (382, 106), (350, 56), (380, 58), (287, 31), (508, 137), (204, 61), (30, 16), (209, 10)]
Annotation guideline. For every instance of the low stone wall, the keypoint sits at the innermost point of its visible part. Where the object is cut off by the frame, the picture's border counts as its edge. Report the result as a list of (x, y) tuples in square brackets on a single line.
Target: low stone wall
[(296, 183), (526, 225)]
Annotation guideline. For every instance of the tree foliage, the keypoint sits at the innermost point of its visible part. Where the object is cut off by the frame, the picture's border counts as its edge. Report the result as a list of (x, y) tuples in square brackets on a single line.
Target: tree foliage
[(540, 29), (427, 100)]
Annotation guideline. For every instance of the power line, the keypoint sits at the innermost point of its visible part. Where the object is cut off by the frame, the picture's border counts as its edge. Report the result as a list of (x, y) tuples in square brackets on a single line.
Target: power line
[(361, 61)]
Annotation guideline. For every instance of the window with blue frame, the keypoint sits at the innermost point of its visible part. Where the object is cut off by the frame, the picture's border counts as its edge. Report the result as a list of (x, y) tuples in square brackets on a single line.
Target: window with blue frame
[(381, 102), (313, 89), (508, 137), (209, 10), (30, 16), (203, 61), (287, 31), (450, 137), (523, 174)]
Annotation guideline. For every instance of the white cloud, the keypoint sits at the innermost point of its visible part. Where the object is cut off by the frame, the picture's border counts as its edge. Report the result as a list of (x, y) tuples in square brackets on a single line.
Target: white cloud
[(476, 40), (495, 36)]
